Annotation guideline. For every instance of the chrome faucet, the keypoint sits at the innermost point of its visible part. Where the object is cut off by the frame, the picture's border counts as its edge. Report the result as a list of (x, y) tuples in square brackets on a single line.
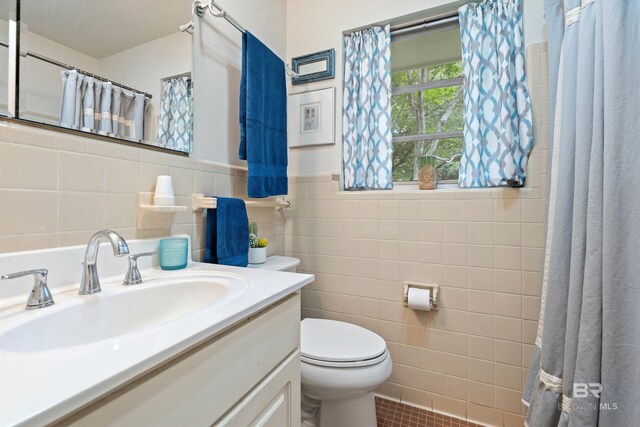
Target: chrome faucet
[(133, 276), (40, 296), (90, 283)]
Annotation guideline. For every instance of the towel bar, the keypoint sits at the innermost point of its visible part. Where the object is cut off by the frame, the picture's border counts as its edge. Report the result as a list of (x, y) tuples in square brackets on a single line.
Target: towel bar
[(199, 201)]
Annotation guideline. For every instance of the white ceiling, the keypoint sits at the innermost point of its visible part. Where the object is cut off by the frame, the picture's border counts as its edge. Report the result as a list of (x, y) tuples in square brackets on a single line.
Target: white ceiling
[(100, 28)]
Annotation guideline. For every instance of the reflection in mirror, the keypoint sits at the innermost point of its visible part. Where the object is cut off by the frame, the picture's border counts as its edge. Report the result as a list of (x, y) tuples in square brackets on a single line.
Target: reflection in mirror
[(116, 68), (5, 15), (312, 67)]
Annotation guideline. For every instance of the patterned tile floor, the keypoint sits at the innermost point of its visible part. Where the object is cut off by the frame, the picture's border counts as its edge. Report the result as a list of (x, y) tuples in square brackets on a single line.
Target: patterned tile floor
[(394, 414)]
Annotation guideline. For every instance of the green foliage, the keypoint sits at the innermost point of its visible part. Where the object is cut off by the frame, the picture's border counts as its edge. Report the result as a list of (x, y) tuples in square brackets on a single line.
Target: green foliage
[(253, 228), (424, 160), (426, 112), (253, 240)]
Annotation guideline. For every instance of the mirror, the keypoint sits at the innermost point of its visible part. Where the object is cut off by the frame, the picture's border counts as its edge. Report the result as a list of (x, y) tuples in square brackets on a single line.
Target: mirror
[(314, 67), (120, 69)]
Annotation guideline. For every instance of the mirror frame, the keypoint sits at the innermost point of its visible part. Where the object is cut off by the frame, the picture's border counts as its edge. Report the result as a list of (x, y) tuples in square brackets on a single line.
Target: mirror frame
[(328, 73)]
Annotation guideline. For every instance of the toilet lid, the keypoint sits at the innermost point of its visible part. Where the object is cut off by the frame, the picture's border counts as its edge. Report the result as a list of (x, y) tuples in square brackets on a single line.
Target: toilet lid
[(334, 341)]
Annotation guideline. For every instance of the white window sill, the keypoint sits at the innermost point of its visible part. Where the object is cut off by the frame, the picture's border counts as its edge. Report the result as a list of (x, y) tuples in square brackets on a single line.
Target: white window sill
[(410, 190), (413, 186)]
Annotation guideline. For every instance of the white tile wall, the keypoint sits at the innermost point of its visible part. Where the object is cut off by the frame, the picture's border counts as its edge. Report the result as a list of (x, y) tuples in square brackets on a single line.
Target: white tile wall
[(58, 189), (484, 247)]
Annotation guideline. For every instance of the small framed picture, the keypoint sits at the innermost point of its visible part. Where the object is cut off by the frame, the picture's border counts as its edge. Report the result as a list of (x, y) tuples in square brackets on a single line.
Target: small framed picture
[(311, 118), (310, 115)]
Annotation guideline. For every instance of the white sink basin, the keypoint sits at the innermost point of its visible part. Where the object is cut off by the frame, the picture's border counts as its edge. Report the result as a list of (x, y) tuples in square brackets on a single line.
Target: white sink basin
[(119, 310)]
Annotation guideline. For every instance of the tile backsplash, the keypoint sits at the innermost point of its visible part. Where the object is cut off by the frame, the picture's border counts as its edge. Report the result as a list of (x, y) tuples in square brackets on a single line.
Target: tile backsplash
[(483, 247), (57, 189)]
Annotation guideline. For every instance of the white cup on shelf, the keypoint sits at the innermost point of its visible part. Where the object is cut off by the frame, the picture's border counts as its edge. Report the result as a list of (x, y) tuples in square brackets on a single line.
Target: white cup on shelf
[(164, 192)]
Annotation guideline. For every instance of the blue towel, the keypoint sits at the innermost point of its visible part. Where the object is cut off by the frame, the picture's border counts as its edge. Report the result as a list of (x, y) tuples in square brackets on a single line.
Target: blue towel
[(227, 234), (263, 119)]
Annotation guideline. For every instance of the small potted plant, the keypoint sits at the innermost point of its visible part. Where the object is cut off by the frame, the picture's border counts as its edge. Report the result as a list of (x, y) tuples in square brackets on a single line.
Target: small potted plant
[(257, 246), (427, 173)]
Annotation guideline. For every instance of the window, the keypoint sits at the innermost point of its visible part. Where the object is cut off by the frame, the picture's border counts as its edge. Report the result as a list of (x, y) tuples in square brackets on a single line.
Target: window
[(426, 103)]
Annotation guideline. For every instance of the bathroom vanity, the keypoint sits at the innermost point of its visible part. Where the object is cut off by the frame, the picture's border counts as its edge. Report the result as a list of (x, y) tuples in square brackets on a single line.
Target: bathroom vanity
[(247, 375), (209, 345)]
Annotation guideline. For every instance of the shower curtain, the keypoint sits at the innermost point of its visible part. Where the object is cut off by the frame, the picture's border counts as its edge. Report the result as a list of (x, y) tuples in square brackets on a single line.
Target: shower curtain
[(176, 115), (91, 105), (586, 367)]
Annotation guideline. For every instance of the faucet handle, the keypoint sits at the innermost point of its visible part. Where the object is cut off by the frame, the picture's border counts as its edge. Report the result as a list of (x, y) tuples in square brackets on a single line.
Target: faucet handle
[(133, 277), (40, 295)]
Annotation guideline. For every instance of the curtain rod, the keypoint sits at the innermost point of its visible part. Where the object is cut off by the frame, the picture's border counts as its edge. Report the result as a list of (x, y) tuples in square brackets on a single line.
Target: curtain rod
[(424, 24), (70, 67)]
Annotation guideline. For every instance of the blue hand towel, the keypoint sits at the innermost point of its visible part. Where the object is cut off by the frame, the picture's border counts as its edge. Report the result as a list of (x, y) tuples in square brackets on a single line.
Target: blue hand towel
[(227, 234), (263, 119)]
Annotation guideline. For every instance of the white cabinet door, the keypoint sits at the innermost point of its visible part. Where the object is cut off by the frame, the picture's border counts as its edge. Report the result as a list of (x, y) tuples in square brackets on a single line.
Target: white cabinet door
[(275, 402)]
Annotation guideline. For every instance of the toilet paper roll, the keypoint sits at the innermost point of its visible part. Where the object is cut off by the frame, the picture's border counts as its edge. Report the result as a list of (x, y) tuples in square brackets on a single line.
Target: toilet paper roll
[(419, 299)]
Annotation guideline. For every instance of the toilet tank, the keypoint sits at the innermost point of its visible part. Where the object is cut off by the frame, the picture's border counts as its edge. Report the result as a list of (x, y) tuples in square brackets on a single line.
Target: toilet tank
[(278, 263)]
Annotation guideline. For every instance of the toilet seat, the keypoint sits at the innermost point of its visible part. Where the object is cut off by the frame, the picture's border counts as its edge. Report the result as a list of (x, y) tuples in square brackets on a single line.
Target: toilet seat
[(352, 364), (338, 344)]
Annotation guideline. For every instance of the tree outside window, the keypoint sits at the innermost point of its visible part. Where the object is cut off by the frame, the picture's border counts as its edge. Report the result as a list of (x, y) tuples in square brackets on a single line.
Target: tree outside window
[(427, 121)]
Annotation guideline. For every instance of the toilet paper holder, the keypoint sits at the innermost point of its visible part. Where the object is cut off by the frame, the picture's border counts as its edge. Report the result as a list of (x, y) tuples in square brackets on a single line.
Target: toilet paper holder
[(433, 288)]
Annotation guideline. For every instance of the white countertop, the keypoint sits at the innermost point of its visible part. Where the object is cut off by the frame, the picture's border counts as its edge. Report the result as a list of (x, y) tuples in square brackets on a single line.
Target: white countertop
[(37, 388)]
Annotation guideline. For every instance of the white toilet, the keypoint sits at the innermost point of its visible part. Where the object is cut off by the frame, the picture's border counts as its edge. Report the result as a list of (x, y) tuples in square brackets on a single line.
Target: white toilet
[(341, 366)]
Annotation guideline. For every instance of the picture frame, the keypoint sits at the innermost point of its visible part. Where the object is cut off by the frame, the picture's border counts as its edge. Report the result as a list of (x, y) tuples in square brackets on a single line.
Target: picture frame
[(314, 67), (311, 118)]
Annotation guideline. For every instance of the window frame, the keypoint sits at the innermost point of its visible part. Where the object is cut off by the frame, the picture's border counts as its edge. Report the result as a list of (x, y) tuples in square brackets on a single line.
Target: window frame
[(422, 87)]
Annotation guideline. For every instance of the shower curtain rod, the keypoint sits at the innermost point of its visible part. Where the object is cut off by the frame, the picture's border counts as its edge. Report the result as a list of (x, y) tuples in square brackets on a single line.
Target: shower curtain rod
[(71, 67), (200, 8)]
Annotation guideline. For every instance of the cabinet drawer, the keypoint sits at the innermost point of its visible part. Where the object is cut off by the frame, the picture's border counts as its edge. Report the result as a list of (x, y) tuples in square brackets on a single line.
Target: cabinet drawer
[(200, 386), (275, 402)]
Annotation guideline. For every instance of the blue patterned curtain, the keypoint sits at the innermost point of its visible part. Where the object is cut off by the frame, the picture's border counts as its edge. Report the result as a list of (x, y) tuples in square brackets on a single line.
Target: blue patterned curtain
[(175, 121), (366, 114), (498, 131)]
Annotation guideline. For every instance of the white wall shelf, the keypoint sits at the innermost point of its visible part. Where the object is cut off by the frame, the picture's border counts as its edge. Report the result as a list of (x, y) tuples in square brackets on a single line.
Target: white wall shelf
[(155, 217)]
